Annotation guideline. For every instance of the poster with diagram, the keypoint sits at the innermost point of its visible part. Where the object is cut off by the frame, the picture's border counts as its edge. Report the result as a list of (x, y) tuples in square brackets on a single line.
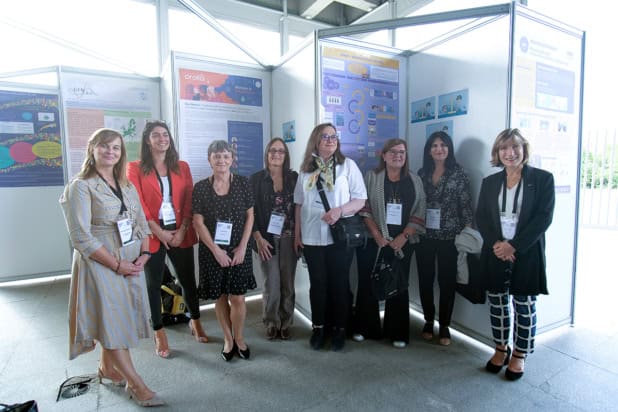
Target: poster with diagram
[(30, 140), (93, 101), (360, 96)]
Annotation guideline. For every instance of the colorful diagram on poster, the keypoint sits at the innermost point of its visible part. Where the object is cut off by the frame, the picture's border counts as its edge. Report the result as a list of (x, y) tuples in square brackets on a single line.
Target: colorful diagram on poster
[(453, 104), (289, 131), (423, 110), (360, 96), (221, 88), (30, 142), (445, 126)]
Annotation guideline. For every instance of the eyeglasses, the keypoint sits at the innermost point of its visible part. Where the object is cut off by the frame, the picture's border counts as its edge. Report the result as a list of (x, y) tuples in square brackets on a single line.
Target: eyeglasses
[(276, 151), (397, 153), (328, 137)]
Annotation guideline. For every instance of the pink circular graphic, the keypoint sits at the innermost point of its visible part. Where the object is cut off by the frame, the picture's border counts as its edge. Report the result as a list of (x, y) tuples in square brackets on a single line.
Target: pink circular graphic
[(22, 152)]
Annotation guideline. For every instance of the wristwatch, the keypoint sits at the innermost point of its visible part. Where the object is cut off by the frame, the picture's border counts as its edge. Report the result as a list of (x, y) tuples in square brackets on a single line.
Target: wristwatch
[(406, 235), (145, 252)]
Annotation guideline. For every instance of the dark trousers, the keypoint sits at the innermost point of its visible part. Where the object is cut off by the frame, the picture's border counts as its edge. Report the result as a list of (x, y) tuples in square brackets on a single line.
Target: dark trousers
[(329, 278), (182, 259), (367, 308), (426, 253)]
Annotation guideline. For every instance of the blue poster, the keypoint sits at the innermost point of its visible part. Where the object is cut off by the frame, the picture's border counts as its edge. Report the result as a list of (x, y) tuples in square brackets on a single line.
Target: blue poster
[(445, 126), (30, 143), (360, 96), (453, 104), (289, 131), (246, 139), (422, 110)]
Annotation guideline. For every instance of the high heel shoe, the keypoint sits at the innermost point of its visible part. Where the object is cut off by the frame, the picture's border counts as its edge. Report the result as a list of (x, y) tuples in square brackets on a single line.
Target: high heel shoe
[(161, 346), (200, 338), (103, 378), (492, 367), (227, 356), (243, 353), (513, 376), (154, 401)]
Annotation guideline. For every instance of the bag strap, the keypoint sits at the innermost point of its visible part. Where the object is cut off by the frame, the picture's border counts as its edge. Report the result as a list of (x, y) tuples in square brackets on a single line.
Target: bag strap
[(169, 291), (320, 188), (377, 259)]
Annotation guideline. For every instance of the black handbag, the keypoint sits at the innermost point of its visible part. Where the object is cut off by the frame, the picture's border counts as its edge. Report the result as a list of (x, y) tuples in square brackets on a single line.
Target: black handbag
[(388, 278), (350, 230), (474, 291)]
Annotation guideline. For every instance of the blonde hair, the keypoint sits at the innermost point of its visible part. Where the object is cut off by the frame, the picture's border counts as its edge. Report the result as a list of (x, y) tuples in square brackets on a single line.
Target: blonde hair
[(503, 137), (99, 137)]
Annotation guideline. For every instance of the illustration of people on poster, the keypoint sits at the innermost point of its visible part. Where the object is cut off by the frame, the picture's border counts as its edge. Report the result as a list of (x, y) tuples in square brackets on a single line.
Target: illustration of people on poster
[(453, 104), (422, 110), (30, 142), (360, 96)]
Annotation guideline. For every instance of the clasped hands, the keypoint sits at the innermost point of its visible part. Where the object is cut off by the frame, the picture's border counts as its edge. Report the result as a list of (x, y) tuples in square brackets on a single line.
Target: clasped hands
[(504, 251), (332, 216), (224, 260)]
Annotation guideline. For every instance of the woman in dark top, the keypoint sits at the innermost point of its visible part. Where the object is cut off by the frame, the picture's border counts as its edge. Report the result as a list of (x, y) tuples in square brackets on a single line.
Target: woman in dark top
[(394, 214), (223, 220), (515, 208), (273, 232), (449, 210)]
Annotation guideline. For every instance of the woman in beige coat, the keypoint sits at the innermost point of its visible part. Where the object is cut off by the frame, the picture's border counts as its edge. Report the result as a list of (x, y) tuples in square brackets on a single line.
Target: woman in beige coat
[(108, 303)]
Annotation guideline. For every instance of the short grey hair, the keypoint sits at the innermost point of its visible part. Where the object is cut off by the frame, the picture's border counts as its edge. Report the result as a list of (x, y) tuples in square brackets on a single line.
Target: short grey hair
[(219, 146)]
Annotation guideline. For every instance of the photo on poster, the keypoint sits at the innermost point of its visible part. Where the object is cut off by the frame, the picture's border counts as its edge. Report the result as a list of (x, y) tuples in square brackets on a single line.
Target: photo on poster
[(30, 142), (422, 110), (130, 125), (246, 140), (445, 126), (453, 104), (289, 131)]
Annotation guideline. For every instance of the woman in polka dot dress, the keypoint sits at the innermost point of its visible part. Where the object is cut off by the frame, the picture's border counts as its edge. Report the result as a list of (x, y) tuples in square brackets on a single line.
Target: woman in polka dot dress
[(223, 220)]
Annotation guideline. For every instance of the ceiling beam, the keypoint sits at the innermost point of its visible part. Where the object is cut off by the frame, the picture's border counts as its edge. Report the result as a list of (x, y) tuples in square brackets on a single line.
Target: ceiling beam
[(364, 5), (312, 8)]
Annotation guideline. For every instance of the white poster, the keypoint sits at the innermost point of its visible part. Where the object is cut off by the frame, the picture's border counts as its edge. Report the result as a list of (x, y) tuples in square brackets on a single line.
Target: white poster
[(93, 101)]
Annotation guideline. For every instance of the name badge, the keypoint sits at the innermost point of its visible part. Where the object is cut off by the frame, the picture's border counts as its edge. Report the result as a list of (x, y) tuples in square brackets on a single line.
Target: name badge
[(167, 213), (275, 224), (509, 225), (125, 229), (223, 234), (393, 213), (432, 219)]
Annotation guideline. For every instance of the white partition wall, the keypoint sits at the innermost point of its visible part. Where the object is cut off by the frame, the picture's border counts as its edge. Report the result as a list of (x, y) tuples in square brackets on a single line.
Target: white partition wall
[(473, 63), (475, 72), (293, 102)]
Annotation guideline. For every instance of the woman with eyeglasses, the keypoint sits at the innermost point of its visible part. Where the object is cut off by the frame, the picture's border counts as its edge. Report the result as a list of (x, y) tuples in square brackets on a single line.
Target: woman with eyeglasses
[(165, 186), (449, 210), (223, 219), (273, 232), (515, 209), (394, 215), (325, 168), (108, 302)]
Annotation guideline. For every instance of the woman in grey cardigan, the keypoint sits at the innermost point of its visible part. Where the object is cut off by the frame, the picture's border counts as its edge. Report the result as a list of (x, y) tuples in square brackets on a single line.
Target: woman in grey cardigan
[(395, 216)]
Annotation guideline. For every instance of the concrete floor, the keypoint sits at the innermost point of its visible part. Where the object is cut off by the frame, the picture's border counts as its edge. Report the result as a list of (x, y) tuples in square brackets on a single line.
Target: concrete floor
[(573, 368)]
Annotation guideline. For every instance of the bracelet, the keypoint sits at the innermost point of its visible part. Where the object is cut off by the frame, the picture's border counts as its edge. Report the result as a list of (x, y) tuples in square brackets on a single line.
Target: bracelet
[(145, 252), (118, 267)]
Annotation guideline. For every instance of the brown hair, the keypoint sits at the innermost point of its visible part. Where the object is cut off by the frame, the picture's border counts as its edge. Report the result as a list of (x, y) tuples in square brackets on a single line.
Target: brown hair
[(502, 138), (387, 146), (171, 156), (308, 164), (99, 137), (286, 161)]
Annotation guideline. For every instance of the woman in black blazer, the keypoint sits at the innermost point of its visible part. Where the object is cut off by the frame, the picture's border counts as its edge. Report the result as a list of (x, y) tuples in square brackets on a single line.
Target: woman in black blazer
[(515, 208)]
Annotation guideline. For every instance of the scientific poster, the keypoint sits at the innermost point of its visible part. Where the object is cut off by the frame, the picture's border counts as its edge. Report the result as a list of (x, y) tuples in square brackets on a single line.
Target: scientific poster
[(453, 104), (423, 110), (30, 142), (545, 105), (218, 106), (95, 101), (360, 96)]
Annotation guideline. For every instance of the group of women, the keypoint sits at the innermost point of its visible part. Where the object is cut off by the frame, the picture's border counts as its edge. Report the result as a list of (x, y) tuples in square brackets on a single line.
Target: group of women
[(124, 219)]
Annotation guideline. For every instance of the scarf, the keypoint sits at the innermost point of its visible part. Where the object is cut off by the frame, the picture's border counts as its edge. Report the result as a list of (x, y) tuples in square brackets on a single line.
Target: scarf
[(326, 169)]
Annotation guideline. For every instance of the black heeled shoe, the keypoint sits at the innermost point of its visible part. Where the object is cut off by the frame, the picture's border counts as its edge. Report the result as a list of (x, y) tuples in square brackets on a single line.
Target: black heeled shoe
[(243, 353), (492, 367), (227, 356), (513, 376)]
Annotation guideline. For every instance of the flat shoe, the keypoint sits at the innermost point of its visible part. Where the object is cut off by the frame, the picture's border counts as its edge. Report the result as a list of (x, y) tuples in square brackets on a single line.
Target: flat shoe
[(285, 333), (227, 356), (243, 353), (445, 336), (428, 331), (271, 332)]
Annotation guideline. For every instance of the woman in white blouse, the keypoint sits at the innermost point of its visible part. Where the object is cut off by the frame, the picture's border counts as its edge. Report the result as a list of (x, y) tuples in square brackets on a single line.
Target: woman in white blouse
[(328, 262)]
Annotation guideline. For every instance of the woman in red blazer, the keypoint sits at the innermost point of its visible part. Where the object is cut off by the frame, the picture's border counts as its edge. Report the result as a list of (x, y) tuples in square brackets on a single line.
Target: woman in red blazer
[(165, 187)]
